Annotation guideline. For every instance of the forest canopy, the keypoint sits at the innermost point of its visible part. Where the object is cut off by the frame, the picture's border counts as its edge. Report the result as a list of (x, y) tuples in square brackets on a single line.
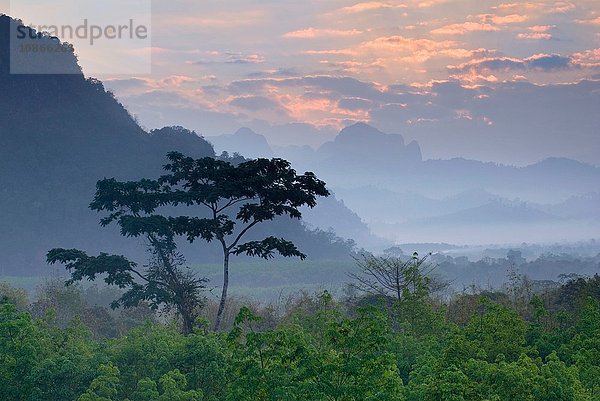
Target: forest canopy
[(483, 346)]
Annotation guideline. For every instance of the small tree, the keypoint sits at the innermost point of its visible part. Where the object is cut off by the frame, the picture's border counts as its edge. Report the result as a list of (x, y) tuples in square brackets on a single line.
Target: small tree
[(393, 277), (237, 199), (164, 282), (405, 285)]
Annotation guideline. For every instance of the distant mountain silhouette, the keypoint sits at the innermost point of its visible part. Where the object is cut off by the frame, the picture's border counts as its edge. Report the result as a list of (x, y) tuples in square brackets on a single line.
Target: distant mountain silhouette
[(495, 212), (356, 146), (244, 141), (59, 135), (544, 182), (363, 156), (361, 145), (375, 204), (586, 206)]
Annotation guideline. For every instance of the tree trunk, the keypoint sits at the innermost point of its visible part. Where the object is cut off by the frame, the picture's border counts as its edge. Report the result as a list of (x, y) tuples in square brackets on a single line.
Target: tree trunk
[(187, 323), (224, 292)]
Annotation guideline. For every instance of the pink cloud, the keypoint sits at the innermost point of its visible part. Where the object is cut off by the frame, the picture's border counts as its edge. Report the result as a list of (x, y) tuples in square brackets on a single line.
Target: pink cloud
[(587, 59), (176, 80), (310, 33), (549, 63), (430, 3), (370, 6), (541, 28), (461, 29), (594, 21), (558, 7), (483, 23), (535, 36), (537, 32), (332, 52), (513, 7), (391, 51), (562, 7), (503, 19), (396, 43)]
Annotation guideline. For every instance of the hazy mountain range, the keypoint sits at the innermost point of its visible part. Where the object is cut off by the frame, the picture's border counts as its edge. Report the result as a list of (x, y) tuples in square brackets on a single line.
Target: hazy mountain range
[(361, 155), (402, 197)]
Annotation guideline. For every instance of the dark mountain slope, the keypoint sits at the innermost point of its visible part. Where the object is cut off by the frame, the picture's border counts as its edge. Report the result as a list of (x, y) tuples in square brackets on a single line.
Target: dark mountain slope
[(59, 134)]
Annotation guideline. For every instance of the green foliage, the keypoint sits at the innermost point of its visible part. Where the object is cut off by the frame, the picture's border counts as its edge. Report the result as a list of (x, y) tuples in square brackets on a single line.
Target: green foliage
[(16, 296), (173, 386), (19, 349), (105, 386), (498, 331), (70, 362), (351, 362), (149, 351), (146, 391), (321, 349)]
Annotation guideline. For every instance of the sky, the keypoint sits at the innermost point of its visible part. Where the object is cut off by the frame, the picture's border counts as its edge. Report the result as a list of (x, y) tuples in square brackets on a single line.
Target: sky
[(510, 82)]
